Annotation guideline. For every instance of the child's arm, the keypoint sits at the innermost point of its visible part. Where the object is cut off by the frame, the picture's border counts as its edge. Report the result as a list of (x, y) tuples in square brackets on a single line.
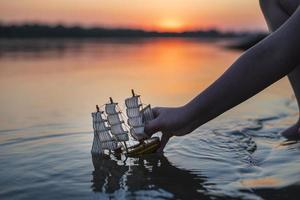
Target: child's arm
[(259, 67)]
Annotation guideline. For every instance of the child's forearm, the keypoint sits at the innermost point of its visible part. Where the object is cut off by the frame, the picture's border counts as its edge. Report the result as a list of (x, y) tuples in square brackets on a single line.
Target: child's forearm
[(259, 67)]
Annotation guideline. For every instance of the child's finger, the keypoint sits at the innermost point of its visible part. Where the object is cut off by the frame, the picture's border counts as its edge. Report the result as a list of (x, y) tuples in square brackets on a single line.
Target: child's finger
[(155, 111), (164, 140), (152, 127)]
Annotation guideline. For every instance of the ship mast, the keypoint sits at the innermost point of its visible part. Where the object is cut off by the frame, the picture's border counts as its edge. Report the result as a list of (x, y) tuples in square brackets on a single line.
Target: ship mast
[(136, 116), (116, 128), (102, 139)]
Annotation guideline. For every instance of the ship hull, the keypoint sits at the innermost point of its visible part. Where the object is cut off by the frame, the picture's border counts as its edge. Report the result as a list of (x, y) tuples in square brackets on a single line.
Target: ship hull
[(147, 147)]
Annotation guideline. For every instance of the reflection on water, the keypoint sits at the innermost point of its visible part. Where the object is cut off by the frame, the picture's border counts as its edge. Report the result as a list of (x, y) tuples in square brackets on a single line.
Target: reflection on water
[(49, 88), (262, 182), (67, 84), (150, 175)]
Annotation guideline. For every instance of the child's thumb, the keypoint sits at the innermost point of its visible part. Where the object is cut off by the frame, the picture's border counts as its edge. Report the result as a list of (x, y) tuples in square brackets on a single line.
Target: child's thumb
[(152, 126)]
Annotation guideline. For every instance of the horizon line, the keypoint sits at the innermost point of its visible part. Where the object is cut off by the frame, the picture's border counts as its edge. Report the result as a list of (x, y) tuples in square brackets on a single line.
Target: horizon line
[(82, 26)]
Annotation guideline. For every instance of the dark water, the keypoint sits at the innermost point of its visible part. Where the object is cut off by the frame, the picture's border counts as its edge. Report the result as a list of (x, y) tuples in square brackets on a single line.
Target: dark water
[(48, 90)]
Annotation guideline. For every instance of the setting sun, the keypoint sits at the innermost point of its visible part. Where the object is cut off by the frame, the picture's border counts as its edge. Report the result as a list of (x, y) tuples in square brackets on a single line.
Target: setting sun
[(170, 25)]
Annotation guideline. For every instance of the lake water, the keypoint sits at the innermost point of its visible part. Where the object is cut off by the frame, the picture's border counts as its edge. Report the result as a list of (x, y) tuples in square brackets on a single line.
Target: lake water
[(50, 87)]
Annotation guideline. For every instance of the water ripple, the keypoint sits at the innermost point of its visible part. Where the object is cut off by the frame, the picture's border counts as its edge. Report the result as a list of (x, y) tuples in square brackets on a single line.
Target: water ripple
[(44, 137)]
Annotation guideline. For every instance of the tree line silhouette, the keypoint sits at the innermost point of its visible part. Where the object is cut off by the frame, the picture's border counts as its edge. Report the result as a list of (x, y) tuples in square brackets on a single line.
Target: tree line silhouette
[(61, 31)]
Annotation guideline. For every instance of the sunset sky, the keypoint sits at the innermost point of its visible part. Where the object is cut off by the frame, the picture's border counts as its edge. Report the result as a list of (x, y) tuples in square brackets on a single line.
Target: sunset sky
[(161, 15)]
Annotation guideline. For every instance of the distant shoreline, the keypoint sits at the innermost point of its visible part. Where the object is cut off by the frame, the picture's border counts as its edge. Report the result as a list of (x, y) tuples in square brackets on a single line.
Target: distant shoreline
[(60, 31)]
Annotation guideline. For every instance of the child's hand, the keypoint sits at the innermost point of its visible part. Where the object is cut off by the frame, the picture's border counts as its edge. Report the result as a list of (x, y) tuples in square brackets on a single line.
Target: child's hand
[(171, 122)]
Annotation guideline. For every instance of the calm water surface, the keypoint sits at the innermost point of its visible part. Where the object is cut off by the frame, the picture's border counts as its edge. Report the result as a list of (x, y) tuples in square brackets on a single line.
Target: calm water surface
[(49, 88)]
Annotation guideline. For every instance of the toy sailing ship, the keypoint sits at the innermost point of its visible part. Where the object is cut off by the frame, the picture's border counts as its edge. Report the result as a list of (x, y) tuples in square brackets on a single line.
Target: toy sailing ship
[(113, 134)]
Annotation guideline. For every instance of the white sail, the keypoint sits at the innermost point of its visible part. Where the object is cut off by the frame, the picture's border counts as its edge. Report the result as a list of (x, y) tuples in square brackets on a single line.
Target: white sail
[(133, 112), (147, 113), (96, 147), (138, 133), (111, 145), (135, 121), (100, 126), (111, 108), (102, 138), (122, 137), (117, 129), (113, 117), (132, 102), (137, 116), (119, 132)]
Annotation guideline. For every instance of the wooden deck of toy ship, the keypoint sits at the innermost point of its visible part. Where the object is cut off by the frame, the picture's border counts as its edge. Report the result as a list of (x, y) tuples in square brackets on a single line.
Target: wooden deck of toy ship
[(149, 146)]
